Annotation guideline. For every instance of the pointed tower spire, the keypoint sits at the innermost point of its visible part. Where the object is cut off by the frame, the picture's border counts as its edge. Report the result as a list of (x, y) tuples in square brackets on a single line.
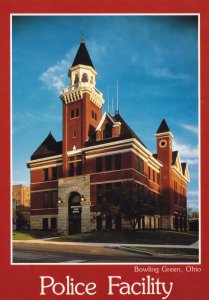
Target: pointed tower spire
[(82, 57), (163, 127)]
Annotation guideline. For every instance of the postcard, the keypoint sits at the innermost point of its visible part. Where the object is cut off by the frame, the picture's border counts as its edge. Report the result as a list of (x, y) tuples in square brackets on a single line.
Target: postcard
[(104, 150)]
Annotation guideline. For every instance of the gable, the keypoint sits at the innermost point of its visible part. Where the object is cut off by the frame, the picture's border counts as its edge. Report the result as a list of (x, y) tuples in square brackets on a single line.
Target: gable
[(106, 118), (48, 147), (176, 161), (185, 171)]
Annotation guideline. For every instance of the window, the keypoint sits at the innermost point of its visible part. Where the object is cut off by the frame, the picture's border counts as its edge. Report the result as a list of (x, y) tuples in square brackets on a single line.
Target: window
[(53, 223), (108, 186), (94, 115), (99, 164), (71, 169), (118, 185), (54, 199), (54, 173), (45, 224), (59, 172), (107, 131), (141, 166), (76, 81), (158, 178), (79, 168), (154, 178), (72, 114), (117, 161), (108, 163), (99, 191), (85, 77), (149, 173), (175, 192), (77, 112), (92, 133), (46, 199), (45, 174)]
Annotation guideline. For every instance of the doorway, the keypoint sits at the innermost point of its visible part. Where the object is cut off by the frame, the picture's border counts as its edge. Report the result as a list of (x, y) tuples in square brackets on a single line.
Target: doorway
[(74, 210)]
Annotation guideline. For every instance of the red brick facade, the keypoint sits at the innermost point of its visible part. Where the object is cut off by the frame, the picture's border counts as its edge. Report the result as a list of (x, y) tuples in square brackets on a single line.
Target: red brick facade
[(100, 153)]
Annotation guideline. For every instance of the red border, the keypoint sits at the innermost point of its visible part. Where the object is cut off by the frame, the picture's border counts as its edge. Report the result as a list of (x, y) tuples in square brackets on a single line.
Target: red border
[(22, 282)]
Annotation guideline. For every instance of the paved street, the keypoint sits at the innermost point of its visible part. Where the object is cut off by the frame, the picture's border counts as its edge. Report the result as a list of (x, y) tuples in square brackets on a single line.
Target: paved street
[(43, 252)]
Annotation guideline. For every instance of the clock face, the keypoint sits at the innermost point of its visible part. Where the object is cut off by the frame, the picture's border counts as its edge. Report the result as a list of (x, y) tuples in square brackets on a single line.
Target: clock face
[(163, 143)]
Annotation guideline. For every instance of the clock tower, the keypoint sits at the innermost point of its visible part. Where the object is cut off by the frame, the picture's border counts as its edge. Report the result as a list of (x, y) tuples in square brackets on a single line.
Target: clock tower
[(164, 154), (82, 105)]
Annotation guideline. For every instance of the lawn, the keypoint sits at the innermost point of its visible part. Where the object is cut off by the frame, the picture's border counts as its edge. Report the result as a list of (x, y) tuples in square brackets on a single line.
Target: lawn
[(32, 234), (134, 237), (125, 237)]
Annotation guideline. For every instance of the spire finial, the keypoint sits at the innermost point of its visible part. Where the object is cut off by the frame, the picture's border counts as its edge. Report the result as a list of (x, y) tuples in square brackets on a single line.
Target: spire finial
[(82, 38)]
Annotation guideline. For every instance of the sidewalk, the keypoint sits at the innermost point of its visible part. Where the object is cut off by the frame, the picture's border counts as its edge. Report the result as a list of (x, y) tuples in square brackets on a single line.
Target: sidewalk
[(50, 241)]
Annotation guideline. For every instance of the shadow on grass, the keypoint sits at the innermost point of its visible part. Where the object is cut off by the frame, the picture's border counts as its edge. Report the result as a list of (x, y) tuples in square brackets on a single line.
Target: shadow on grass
[(134, 237)]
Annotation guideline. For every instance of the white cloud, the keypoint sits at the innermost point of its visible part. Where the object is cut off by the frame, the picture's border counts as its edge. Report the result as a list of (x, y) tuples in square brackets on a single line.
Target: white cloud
[(193, 193), (55, 77), (187, 152), (165, 73), (192, 161), (191, 128)]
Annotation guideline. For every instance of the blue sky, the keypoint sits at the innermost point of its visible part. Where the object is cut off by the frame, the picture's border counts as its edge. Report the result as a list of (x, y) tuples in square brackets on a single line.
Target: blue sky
[(154, 59)]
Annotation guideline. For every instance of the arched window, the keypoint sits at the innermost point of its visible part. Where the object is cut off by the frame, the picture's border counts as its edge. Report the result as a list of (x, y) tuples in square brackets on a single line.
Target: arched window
[(107, 133), (85, 77), (76, 81), (92, 80)]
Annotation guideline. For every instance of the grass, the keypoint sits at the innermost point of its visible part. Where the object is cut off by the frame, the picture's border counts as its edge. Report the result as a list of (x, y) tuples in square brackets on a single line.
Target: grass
[(126, 237), (179, 251), (134, 237), (32, 234)]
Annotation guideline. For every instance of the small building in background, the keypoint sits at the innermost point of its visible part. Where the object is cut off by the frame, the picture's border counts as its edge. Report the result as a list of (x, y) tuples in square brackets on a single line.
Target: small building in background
[(20, 206)]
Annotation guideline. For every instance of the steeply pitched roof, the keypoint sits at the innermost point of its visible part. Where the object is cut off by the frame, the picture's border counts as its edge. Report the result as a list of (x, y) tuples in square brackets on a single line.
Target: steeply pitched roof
[(174, 156), (163, 127), (126, 133), (183, 165), (126, 130), (155, 156), (82, 57), (48, 147)]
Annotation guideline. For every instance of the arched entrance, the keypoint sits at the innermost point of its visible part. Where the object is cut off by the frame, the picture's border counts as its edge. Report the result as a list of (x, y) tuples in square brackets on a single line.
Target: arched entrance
[(74, 212)]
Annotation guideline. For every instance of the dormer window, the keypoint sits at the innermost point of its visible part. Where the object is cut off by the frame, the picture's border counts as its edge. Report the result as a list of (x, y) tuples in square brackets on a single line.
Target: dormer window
[(107, 133)]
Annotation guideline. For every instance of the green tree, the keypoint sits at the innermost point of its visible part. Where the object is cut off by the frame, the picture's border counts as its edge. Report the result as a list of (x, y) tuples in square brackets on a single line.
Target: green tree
[(131, 201)]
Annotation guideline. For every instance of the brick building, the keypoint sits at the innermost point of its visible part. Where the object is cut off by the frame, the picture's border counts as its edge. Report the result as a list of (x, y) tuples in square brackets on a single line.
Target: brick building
[(20, 203), (100, 154)]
